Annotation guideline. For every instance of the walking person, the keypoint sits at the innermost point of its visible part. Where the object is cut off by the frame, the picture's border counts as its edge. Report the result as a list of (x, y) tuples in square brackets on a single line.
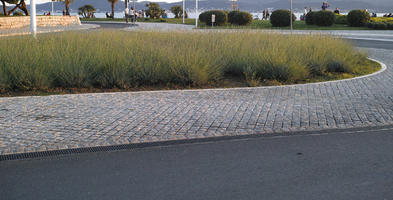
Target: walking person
[(325, 5), (337, 11), (267, 14), (133, 15)]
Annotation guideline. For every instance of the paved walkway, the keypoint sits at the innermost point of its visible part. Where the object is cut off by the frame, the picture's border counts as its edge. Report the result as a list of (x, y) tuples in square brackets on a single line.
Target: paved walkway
[(26, 30), (30, 124)]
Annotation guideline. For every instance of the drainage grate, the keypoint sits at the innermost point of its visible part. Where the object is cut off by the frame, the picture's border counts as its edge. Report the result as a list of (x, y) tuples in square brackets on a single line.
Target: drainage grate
[(187, 141)]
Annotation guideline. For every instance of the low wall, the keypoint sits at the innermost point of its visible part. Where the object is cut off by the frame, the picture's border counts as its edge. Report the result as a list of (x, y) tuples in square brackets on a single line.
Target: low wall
[(22, 21)]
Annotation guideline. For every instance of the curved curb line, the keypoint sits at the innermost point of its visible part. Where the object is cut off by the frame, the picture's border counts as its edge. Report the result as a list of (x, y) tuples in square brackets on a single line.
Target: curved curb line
[(383, 68)]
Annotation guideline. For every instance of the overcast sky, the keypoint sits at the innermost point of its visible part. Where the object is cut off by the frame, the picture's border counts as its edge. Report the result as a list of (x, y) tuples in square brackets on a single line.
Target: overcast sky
[(46, 1), (171, 1)]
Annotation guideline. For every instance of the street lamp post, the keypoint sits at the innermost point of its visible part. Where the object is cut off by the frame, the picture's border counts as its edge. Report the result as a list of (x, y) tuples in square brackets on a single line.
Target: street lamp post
[(184, 7), (196, 13), (291, 17), (33, 18)]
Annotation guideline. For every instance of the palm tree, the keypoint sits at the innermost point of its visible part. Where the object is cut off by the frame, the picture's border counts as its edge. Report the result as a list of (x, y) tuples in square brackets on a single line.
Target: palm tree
[(18, 4), (113, 7), (87, 11), (67, 5)]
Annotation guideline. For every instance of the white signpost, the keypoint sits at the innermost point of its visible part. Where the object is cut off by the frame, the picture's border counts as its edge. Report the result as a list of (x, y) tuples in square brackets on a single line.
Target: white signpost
[(291, 17), (196, 13), (184, 7), (33, 18)]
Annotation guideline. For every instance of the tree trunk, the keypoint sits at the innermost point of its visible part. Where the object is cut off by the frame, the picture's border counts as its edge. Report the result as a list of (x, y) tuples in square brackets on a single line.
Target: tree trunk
[(113, 10), (4, 8), (12, 10), (67, 4), (23, 7)]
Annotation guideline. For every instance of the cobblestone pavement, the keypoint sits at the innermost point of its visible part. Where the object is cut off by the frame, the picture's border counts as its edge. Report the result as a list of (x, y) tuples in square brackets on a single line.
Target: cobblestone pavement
[(26, 30), (30, 124)]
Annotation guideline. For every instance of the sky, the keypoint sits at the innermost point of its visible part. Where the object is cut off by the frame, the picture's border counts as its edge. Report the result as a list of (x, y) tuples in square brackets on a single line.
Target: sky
[(46, 1)]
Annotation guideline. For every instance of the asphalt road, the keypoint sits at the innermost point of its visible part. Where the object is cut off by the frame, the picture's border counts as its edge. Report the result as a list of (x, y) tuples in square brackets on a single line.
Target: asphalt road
[(334, 165), (356, 165)]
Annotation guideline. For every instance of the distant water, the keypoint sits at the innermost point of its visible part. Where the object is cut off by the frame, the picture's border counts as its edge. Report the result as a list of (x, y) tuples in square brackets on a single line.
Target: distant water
[(191, 15)]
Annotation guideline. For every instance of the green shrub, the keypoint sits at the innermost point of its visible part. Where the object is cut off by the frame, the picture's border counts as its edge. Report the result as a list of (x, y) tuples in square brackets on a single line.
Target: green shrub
[(162, 20), (104, 59), (221, 17), (324, 18), (380, 25), (341, 19), (16, 13), (239, 17), (310, 18), (390, 25), (281, 18), (358, 18), (337, 66)]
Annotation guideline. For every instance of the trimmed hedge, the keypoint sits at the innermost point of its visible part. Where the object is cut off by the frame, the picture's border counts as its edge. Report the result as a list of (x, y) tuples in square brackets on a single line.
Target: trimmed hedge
[(380, 25), (221, 17), (324, 18), (358, 18), (239, 17), (280, 18), (310, 18), (341, 19)]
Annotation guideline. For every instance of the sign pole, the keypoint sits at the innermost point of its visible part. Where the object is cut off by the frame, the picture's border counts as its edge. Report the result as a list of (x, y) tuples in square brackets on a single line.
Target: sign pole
[(33, 18), (291, 17), (184, 7), (196, 12)]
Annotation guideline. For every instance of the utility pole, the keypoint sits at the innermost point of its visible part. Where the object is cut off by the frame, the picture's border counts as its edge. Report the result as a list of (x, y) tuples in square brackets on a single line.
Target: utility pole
[(33, 18), (196, 13), (184, 7), (291, 16)]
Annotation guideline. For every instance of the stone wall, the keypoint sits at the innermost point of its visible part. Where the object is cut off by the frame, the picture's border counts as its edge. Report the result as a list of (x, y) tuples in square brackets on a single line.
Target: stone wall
[(22, 21)]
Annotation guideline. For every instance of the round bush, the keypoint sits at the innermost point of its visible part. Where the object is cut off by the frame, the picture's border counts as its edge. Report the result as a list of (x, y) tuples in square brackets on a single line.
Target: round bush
[(16, 13), (310, 18), (281, 18), (221, 17), (341, 19), (338, 67), (324, 18), (358, 18), (239, 17), (390, 26)]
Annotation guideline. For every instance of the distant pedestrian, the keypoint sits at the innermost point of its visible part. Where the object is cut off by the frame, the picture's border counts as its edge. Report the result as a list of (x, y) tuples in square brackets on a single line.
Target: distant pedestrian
[(325, 5), (267, 14), (337, 11), (133, 15)]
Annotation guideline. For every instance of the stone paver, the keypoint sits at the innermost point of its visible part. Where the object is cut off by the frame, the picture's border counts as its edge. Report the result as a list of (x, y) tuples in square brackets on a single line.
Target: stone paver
[(68, 121), (49, 29)]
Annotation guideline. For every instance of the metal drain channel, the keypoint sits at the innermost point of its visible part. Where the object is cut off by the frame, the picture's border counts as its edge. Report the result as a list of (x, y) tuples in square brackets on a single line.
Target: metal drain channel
[(52, 153)]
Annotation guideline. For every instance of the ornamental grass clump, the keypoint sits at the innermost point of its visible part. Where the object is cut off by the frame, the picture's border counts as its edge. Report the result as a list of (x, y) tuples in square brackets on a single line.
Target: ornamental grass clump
[(115, 59)]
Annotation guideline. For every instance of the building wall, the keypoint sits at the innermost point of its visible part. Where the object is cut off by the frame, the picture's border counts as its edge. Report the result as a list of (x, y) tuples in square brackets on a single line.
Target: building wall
[(22, 21)]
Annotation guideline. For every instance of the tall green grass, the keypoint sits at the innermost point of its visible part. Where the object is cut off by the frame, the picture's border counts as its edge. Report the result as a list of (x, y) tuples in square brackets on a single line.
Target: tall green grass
[(116, 59)]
